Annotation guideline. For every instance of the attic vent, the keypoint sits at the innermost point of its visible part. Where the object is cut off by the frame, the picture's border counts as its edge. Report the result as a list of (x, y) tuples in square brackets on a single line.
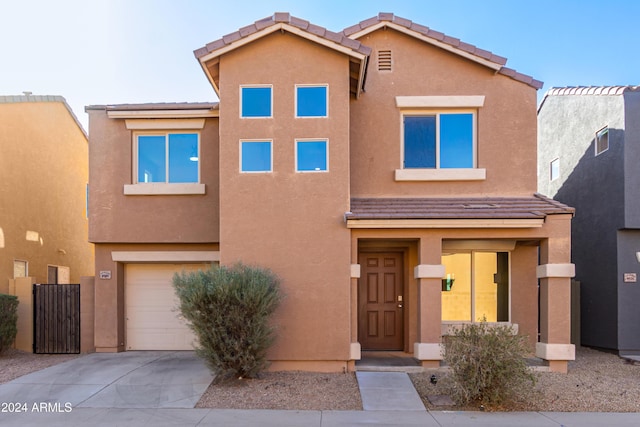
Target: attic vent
[(384, 60)]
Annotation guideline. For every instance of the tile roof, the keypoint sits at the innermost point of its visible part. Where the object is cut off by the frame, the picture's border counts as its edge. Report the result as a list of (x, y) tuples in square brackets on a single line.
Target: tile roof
[(534, 207), (587, 90), (282, 18), (443, 38), (591, 90), (28, 97), (156, 106)]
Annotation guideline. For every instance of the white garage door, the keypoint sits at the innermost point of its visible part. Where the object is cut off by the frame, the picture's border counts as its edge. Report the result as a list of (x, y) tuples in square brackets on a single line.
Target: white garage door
[(153, 320)]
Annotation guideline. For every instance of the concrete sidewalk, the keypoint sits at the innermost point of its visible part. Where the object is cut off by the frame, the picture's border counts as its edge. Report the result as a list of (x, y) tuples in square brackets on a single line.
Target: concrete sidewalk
[(103, 417), (161, 389)]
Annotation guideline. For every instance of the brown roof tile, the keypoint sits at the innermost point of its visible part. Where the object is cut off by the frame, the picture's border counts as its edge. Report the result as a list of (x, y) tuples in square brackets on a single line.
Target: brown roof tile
[(281, 17), (452, 41), (533, 207), (151, 106)]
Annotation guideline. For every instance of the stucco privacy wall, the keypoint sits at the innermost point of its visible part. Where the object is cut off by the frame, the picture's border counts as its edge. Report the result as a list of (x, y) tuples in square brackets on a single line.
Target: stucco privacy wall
[(43, 178), (291, 221), (507, 119)]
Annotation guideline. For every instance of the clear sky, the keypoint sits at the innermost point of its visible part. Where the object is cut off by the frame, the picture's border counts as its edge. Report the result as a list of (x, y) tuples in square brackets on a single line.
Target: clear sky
[(131, 51)]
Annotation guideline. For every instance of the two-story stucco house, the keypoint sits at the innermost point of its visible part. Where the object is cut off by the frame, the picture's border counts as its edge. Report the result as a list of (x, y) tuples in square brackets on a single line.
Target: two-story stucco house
[(386, 173), (589, 156)]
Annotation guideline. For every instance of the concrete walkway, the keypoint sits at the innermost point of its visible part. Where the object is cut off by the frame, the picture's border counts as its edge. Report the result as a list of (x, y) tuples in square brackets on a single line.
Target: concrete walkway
[(161, 388)]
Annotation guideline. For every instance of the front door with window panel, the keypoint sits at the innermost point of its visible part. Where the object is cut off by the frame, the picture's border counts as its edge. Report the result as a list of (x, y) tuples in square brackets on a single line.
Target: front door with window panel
[(380, 301)]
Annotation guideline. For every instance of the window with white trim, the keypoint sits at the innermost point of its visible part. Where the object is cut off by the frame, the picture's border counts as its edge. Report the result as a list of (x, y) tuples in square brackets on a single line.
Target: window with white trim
[(312, 155), (554, 169), (256, 101), (602, 140), (312, 101), (256, 156), (475, 287), (170, 157), (439, 140), (20, 268)]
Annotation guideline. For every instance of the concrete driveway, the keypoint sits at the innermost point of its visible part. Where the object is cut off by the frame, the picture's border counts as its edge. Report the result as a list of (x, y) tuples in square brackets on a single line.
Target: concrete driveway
[(136, 379)]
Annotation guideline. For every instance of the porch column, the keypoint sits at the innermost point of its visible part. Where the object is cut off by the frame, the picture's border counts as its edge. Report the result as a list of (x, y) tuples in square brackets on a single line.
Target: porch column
[(355, 352), (429, 273), (555, 273)]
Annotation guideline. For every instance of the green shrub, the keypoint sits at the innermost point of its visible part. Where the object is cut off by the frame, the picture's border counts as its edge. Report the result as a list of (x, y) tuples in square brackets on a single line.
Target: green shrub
[(487, 364), (228, 308), (8, 320)]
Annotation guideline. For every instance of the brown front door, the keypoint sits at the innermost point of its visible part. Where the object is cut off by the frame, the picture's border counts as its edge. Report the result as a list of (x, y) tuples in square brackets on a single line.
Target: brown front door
[(380, 301)]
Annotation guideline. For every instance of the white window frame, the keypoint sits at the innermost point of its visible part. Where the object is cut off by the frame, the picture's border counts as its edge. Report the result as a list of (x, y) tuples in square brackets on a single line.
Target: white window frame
[(603, 130), (163, 188), (555, 161), (270, 141), (326, 140), (325, 85), (270, 86)]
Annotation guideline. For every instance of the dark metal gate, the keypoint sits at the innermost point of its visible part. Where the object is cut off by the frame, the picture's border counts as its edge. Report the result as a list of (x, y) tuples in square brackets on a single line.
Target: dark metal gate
[(56, 318)]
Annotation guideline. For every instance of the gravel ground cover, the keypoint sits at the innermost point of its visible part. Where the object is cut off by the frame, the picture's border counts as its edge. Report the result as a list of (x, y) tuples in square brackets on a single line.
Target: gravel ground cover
[(597, 382), (15, 363)]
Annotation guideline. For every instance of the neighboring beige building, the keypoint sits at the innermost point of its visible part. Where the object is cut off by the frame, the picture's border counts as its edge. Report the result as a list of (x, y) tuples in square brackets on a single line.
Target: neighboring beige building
[(386, 173), (43, 188)]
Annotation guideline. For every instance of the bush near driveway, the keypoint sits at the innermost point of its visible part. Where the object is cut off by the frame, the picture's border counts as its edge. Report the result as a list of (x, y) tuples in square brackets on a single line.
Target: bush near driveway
[(228, 308), (8, 321), (488, 364)]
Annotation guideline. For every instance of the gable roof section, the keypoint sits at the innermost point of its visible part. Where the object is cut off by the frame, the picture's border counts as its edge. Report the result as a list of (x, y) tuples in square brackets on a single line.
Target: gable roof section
[(10, 99), (444, 212), (441, 40), (588, 90), (209, 55)]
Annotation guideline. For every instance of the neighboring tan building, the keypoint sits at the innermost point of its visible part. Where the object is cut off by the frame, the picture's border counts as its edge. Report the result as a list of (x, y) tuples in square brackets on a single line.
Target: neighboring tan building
[(43, 189), (589, 157), (369, 169)]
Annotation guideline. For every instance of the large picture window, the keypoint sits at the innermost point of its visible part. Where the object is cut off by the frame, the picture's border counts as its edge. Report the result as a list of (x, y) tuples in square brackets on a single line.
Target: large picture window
[(168, 158), (475, 287), (439, 140)]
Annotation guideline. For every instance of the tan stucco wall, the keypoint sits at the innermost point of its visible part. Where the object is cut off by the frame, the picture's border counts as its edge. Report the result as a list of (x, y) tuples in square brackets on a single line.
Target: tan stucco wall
[(116, 217), (43, 178), (291, 222), (109, 311), (506, 122)]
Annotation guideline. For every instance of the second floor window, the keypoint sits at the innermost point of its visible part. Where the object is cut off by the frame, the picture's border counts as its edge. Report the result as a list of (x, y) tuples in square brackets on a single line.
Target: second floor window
[(439, 140), (256, 102), (311, 101), (168, 158)]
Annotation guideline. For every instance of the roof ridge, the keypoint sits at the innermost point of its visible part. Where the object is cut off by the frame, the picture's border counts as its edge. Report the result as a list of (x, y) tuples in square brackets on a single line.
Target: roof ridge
[(591, 90), (282, 18), (444, 38)]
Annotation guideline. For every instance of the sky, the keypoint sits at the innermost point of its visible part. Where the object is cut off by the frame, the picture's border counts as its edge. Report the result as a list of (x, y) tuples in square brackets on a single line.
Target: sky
[(135, 51)]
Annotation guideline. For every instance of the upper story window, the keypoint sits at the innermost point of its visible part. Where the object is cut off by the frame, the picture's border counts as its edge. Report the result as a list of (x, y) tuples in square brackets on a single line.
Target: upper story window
[(256, 101), (256, 156), (168, 158), (554, 169), (312, 100), (602, 140), (312, 156), (439, 140)]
